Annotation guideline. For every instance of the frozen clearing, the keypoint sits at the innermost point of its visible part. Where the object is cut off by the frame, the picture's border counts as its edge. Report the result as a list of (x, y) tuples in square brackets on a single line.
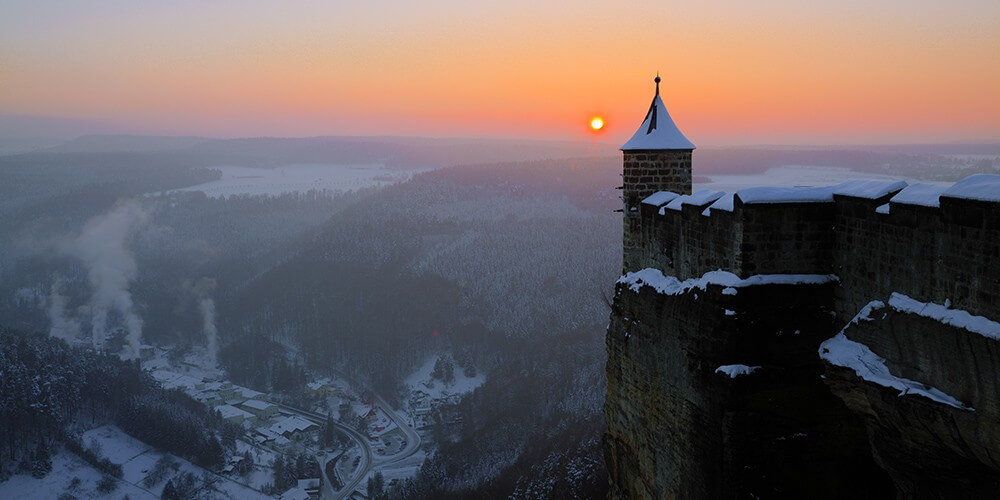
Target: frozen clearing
[(137, 460), (299, 179), (421, 380), (65, 467)]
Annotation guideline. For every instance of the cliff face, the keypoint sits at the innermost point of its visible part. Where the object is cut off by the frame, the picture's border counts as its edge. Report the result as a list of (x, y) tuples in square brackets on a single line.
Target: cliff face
[(679, 426), (938, 437), (900, 403)]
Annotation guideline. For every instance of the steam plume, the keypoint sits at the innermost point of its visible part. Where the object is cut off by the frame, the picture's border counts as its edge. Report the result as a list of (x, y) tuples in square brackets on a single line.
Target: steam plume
[(111, 268), (203, 288), (63, 327)]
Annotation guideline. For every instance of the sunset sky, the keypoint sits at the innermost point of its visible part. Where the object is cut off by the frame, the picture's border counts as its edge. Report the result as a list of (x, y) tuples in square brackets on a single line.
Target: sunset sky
[(779, 72)]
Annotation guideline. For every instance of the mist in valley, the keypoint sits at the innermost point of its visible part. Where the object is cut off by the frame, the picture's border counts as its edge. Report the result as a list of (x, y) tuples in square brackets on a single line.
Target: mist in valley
[(437, 327)]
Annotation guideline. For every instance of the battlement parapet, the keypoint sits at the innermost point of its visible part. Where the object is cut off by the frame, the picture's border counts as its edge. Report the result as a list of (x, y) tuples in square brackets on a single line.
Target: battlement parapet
[(936, 243)]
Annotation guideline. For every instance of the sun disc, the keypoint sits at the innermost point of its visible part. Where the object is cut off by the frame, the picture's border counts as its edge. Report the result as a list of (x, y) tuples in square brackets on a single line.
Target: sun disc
[(597, 123)]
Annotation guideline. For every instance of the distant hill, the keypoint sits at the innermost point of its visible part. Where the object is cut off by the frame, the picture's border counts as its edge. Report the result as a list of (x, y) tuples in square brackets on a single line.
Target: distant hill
[(276, 151), (126, 144)]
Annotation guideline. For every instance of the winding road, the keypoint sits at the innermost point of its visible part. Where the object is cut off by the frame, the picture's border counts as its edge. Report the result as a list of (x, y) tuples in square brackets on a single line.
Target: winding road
[(368, 458)]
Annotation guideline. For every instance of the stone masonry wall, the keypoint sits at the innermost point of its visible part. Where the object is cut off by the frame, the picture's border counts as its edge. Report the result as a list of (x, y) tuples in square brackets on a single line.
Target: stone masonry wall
[(753, 239), (931, 254), (646, 172)]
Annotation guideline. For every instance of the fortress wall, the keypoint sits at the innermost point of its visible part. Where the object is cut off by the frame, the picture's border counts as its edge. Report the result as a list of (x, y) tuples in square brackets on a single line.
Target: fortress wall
[(930, 254), (969, 244), (688, 244), (753, 239), (785, 238)]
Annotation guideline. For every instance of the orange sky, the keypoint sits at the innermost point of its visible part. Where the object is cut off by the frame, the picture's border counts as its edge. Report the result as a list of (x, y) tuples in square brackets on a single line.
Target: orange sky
[(774, 72)]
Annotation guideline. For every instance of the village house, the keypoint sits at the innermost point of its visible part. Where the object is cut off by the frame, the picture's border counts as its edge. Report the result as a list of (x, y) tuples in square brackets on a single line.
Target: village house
[(235, 415), (293, 427), (262, 409), (276, 442)]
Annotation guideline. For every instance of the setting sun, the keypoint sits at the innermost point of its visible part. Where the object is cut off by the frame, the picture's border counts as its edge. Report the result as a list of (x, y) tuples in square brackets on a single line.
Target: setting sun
[(597, 123)]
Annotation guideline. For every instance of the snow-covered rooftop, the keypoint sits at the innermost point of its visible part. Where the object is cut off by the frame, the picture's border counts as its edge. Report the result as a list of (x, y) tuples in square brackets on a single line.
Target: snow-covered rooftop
[(257, 404), (982, 187), (698, 198), (295, 493), (783, 194), (868, 188), (658, 130), (229, 411), (858, 188), (920, 194), (291, 424), (723, 203), (249, 393), (660, 197)]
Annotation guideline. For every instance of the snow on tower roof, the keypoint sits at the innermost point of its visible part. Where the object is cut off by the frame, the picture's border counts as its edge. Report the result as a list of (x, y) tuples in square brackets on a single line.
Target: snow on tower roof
[(658, 130)]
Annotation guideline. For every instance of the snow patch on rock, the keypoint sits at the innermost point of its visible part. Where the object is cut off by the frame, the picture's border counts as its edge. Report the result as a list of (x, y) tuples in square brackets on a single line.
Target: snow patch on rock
[(669, 285), (734, 371)]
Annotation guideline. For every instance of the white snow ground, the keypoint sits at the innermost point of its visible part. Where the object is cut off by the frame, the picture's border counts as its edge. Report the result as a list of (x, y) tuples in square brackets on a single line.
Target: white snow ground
[(137, 460), (299, 179), (421, 380)]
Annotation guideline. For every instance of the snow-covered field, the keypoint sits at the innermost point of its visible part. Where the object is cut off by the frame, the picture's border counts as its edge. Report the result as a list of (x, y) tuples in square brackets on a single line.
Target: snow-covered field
[(421, 380), (787, 175), (65, 468), (137, 460), (299, 178)]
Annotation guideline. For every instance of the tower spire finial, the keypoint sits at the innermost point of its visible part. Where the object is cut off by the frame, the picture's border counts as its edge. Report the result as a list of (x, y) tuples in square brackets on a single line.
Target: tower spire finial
[(657, 80)]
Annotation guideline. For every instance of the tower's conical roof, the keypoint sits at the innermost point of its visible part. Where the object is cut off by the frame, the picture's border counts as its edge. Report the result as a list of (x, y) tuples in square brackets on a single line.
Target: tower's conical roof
[(658, 130)]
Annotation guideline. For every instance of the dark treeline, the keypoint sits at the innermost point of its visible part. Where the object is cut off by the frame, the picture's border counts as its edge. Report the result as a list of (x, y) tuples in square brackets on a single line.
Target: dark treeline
[(501, 267), (262, 364), (532, 431), (49, 391)]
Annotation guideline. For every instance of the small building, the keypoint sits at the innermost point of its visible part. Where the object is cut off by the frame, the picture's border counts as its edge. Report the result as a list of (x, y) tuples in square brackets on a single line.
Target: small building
[(276, 442), (208, 398), (262, 409), (293, 427), (310, 486), (234, 415), (244, 393), (295, 493)]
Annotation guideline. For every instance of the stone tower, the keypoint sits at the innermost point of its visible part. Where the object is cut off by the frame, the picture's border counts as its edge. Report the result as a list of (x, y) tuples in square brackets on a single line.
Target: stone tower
[(656, 158)]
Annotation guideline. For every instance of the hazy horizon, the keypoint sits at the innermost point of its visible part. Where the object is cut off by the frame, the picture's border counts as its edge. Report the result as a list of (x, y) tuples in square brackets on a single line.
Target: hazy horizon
[(778, 73)]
